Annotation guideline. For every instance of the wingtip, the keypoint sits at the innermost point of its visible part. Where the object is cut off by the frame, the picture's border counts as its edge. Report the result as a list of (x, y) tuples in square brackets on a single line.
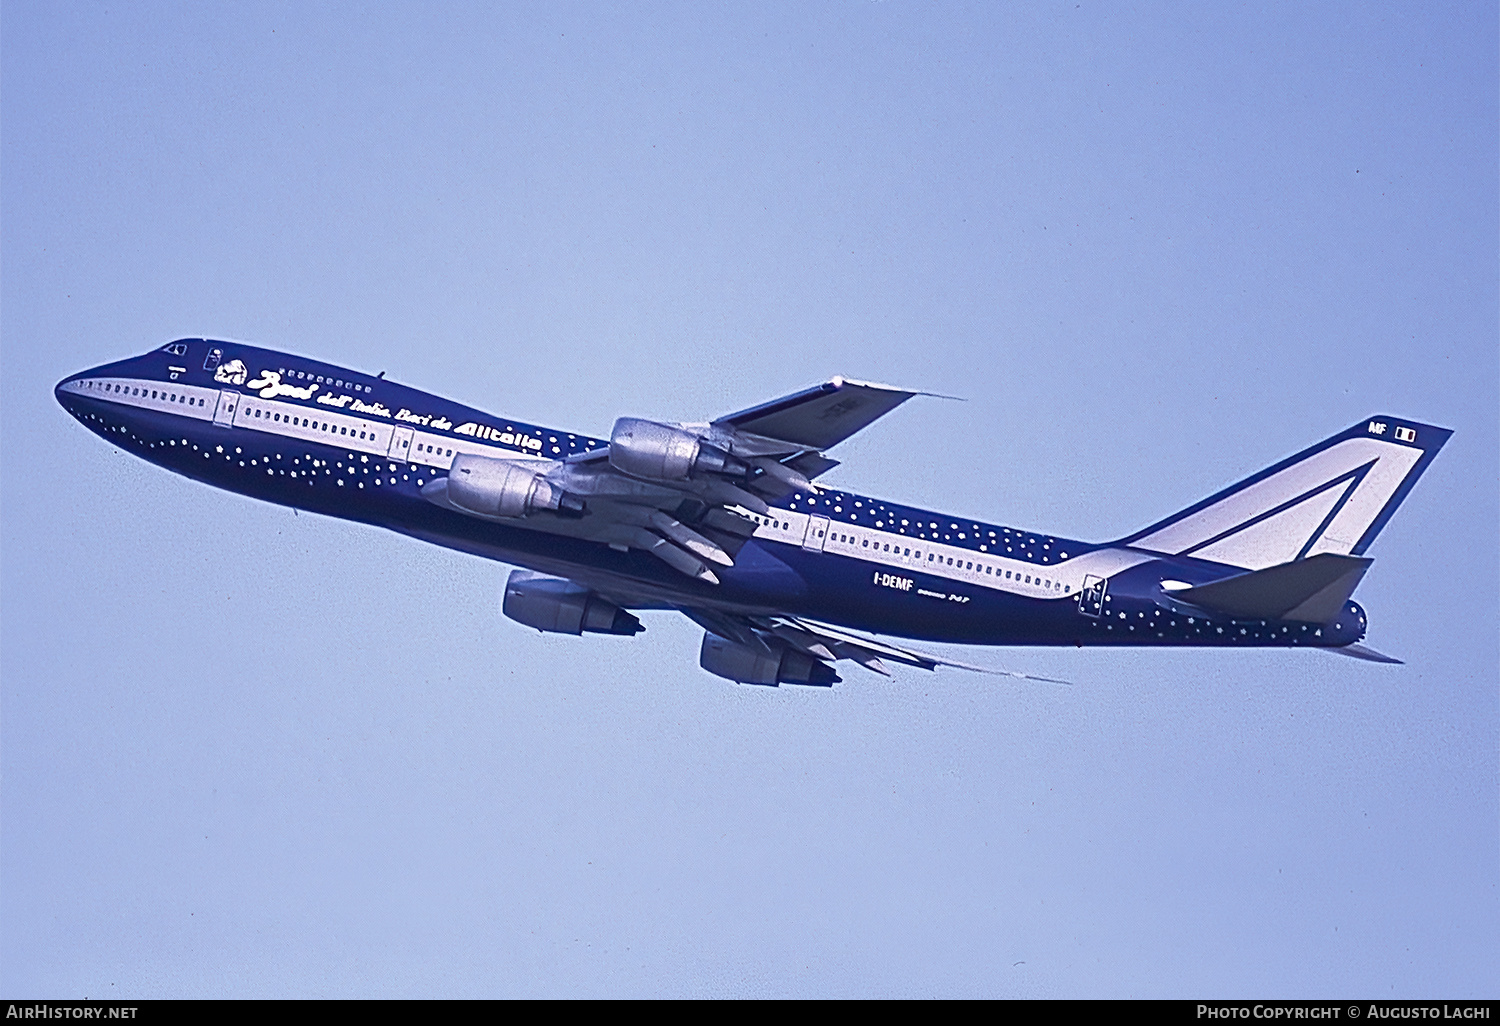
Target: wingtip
[(839, 381)]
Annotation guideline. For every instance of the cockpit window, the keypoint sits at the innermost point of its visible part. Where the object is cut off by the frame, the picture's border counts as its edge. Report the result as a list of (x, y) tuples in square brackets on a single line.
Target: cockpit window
[(175, 348), (214, 356)]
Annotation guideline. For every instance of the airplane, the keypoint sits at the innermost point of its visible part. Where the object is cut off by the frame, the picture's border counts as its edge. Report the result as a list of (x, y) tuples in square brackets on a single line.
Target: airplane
[(725, 520)]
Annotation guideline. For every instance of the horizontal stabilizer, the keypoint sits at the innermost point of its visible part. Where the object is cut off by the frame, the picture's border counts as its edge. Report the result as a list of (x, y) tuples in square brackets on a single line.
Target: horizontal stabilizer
[(1362, 652), (1312, 590)]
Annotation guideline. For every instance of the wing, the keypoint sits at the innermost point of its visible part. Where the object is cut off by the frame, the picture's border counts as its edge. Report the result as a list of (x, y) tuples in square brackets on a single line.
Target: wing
[(682, 492), (788, 650), (818, 417), (752, 648)]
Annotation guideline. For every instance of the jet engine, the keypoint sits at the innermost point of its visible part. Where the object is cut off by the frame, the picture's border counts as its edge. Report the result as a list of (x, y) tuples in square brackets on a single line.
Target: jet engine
[(774, 664), (490, 487), (562, 607), (659, 452)]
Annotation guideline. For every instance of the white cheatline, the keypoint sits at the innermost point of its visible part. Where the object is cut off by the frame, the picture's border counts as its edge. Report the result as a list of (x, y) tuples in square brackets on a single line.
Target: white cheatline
[(1060, 580)]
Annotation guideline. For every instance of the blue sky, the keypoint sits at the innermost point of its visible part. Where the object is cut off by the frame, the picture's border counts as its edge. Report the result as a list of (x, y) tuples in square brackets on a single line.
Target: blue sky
[(252, 753)]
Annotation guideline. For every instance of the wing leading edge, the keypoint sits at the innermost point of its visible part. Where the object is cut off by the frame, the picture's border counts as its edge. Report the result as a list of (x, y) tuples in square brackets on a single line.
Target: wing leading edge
[(819, 417)]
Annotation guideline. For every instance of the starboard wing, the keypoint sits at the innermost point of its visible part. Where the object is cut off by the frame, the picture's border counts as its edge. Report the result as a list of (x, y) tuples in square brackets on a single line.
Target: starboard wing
[(681, 492), (819, 417)]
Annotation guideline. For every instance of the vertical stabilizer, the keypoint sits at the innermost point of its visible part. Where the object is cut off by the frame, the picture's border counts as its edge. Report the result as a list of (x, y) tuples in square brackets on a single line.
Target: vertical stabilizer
[(1333, 498)]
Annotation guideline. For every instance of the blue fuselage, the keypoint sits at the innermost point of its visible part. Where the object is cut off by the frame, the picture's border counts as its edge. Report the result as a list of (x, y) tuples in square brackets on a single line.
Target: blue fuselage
[(328, 440)]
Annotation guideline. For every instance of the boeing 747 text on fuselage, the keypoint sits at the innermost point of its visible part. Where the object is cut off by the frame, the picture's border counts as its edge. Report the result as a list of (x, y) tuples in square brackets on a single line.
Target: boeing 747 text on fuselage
[(725, 522)]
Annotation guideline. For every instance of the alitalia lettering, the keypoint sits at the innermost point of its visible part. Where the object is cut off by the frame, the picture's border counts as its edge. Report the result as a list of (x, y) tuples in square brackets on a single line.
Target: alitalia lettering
[(495, 435)]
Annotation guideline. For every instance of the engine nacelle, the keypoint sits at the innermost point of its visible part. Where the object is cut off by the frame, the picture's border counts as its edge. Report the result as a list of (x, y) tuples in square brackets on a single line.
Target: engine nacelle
[(561, 607), (778, 664), (489, 487), (659, 452)]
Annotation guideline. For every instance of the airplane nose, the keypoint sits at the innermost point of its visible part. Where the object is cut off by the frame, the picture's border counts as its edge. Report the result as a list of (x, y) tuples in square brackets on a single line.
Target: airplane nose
[(61, 391), (79, 384)]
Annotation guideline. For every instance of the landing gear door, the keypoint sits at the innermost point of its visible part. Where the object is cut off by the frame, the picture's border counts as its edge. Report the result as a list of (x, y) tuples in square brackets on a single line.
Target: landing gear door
[(817, 534), (229, 401), (1091, 597), (400, 444)]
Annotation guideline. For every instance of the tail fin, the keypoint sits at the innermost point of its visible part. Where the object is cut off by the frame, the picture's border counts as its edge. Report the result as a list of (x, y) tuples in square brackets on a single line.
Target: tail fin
[(1334, 497)]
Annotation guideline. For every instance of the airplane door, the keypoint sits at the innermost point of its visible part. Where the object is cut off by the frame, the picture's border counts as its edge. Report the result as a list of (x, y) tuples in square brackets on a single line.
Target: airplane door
[(817, 534), (229, 401), (1091, 597), (400, 444)]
